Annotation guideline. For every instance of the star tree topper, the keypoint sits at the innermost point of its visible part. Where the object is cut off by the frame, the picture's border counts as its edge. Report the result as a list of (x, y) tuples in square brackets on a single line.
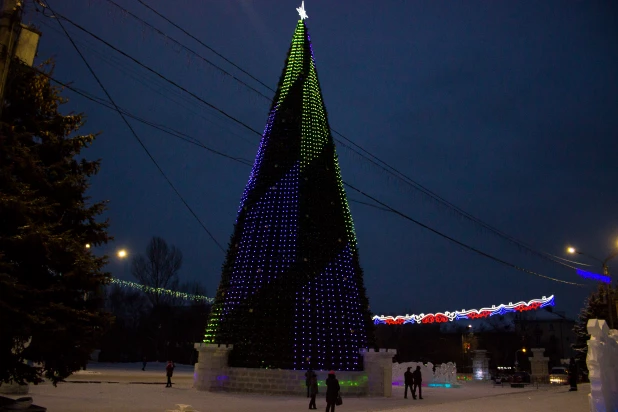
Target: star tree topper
[(302, 12)]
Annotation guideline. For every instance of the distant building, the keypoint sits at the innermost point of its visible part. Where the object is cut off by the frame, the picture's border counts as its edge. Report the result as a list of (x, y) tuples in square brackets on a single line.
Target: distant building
[(503, 335), (547, 329)]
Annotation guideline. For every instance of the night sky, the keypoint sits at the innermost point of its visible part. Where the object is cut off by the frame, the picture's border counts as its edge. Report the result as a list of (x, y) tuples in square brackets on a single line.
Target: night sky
[(508, 110)]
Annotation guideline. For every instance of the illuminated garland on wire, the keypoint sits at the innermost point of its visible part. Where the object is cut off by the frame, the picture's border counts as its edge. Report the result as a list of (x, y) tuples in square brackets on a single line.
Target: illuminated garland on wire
[(161, 291), (589, 275), (534, 304)]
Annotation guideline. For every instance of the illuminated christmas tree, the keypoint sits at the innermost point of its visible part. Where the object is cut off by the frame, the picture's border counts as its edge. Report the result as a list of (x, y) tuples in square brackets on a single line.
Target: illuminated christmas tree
[(291, 294)]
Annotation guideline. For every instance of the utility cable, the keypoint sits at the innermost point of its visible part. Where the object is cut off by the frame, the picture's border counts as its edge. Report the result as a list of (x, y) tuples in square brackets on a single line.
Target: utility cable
[(383, 206), (203, 44), (171, 39), (375, 160), (156, 73), (179, 98), (253, 130), (471, 248), (111, 100), (360, 202), (165, 129)]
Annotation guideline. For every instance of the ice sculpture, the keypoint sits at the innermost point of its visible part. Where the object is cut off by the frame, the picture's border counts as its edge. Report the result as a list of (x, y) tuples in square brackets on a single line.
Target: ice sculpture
[(602, 361), (445, 374)]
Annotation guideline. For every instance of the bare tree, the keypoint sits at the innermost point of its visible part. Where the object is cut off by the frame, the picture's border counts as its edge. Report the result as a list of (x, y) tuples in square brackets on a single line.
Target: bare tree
[(158, 269), (128, 304), (193, 287)]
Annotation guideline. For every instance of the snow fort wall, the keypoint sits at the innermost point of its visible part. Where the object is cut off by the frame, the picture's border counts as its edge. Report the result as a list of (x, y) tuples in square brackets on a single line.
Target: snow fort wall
[(213, 374)]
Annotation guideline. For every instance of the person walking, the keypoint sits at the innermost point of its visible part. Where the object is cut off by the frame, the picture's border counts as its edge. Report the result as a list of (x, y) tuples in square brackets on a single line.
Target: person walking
[(169, 369), (408, 380), (332, 391), (308, 375), (144, 361), (313, 391), (573, 373), (417, 381)]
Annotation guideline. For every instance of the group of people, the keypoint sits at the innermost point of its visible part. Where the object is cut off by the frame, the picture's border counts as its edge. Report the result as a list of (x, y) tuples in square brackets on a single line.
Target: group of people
[(413, 380), (333, 396)]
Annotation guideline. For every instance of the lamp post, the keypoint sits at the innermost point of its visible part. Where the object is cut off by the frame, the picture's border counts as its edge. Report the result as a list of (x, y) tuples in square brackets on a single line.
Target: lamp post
[(608, 285), (523, 350), (465, 346)]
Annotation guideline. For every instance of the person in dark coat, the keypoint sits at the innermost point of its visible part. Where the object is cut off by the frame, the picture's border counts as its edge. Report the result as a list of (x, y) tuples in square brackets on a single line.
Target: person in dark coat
[(313, 391), (417, 381), (144, 363), (308, 375), (408, 380), (169, 369), (573, 373), (332, 391)]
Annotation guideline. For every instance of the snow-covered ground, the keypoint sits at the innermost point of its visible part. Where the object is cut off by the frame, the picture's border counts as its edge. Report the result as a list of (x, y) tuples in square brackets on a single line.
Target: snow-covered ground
[(136, 390)]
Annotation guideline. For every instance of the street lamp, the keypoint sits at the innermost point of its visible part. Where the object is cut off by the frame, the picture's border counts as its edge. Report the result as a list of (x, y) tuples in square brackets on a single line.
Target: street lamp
[(573, 251), (87, 245), (122, 255), (523, 350), (465, 346)]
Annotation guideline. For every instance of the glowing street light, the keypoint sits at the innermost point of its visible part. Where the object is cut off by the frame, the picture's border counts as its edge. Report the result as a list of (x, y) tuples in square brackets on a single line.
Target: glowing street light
[(523, 350), (122, 253), (87, 245), (610, 300)]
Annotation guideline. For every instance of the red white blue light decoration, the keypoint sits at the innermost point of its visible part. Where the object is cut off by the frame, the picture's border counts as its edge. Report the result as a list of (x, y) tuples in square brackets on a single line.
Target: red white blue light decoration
[(534, 304)]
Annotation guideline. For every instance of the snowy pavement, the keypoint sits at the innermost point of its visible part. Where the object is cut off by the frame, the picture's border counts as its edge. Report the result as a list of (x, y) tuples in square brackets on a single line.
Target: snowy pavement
[(152, 396)]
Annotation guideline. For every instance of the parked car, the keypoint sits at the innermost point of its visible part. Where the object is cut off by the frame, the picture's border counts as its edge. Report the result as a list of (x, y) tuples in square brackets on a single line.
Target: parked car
[(521, 377), (559, 376), (499, 379)]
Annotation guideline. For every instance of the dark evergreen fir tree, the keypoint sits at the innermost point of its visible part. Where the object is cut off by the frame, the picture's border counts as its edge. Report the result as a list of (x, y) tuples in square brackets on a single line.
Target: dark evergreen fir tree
[(49, 279), (291, 294), (595, 307)]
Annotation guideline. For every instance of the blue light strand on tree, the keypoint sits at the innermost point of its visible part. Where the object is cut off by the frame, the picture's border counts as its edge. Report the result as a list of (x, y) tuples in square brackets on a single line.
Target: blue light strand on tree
[(269, 229), (316, 310)]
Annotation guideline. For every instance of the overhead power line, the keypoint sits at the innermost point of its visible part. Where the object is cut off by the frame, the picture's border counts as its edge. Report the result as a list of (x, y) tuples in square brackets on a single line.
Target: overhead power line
[(365, 154), (189, 50), (156, 73), (117, 109), (111, 100), (178, 97), (383, 206), (202, 43), (165, 129), (473, 249)]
